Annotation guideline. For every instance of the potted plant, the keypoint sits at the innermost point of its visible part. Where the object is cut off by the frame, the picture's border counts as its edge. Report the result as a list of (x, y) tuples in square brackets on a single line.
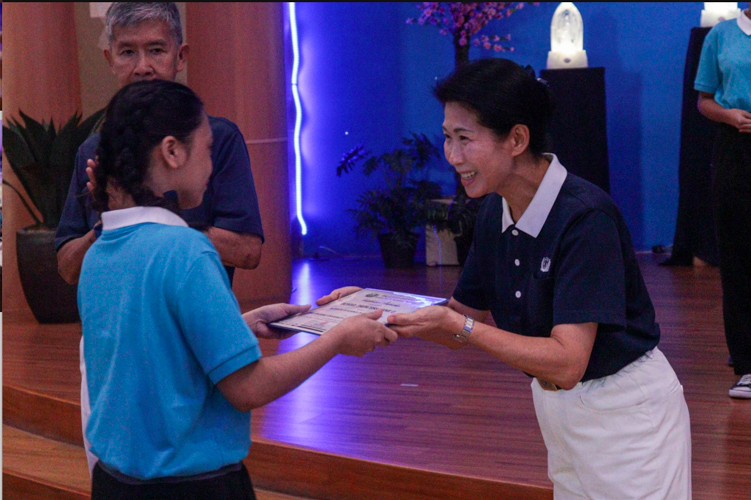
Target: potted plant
[(397, 212), (42, 157), (458, 217)]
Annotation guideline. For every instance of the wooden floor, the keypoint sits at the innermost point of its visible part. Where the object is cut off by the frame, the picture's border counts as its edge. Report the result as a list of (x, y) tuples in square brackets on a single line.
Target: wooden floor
[(417, 412)]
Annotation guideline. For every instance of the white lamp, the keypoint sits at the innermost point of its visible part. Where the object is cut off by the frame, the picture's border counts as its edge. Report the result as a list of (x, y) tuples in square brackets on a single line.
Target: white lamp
[(567, 38), (715, 12)]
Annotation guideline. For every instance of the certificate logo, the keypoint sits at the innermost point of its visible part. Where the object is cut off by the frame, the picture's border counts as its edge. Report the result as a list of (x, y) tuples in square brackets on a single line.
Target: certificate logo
[(545, 265)]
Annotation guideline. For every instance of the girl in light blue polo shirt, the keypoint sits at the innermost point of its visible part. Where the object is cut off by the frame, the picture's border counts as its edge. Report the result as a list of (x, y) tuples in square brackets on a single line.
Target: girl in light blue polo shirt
[(724, 84), (173, 368)]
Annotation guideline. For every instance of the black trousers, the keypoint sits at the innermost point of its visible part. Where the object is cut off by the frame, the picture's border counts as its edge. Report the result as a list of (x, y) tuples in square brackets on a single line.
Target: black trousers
[(231, 486), (731, 192)]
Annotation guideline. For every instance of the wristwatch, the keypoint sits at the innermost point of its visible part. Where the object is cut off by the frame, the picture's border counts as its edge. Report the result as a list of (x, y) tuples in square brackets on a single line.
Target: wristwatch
[(463, 336)]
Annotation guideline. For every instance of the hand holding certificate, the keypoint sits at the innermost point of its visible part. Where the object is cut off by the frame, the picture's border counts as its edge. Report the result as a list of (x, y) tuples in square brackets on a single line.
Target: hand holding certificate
[(320, 320)]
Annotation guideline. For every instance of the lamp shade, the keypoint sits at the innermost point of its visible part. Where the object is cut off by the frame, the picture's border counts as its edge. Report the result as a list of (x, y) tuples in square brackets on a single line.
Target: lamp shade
[(715, 12), (567, 38)]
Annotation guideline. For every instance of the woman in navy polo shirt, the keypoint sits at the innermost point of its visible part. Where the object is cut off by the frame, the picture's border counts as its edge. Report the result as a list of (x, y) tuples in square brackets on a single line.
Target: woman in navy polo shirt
[(724, 84), (552, 261)]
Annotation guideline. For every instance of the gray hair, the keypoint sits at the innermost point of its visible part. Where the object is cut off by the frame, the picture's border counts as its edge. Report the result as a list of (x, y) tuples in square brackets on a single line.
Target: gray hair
[(124, 14)]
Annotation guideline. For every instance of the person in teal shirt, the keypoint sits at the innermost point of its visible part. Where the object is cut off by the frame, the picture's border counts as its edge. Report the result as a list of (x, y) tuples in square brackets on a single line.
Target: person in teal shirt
[(724, 84), (173, 367)]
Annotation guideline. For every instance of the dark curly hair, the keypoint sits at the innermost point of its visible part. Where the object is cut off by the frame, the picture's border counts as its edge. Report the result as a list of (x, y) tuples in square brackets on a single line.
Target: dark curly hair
[(138, 117), (503, 94)]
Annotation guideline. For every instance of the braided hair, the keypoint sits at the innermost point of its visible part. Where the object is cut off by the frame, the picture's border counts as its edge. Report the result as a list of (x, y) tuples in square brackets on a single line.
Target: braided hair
[(138, 117)]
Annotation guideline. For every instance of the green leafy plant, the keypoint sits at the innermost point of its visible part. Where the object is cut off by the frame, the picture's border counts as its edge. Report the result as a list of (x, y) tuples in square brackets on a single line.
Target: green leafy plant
[(458, 216), (405, 205), (43, 158)]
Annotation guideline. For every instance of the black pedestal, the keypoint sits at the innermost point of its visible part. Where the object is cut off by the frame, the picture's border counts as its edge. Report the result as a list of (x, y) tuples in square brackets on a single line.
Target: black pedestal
[(695, 225), (578, 130)]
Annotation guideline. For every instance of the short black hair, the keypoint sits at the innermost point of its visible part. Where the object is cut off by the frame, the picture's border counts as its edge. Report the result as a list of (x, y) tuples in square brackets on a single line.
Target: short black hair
[(503, 94), (138, 117)]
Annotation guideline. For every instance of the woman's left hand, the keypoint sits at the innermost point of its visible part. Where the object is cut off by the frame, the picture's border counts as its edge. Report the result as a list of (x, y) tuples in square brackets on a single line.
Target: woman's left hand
[(435, 323), (258, 320)]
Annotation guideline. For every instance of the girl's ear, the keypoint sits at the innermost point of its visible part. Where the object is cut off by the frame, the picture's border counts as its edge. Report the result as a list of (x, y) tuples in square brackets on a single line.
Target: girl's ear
[(173, 152)]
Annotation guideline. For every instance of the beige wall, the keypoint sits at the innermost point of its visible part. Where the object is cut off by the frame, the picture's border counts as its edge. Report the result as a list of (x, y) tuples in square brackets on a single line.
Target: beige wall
[(54, 67), (238, 70)]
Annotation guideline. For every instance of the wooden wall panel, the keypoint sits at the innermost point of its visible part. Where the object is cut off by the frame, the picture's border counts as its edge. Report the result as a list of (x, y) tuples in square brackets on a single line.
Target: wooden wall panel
[(40, 62), (237, 67)]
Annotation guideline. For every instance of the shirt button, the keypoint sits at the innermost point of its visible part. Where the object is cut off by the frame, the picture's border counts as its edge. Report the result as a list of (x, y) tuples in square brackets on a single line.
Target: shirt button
[(518, 294), (516, 262), (515, 232)]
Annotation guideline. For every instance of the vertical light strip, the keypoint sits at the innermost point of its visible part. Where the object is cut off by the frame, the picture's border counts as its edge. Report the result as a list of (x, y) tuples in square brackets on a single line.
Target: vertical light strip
[(298, 117)]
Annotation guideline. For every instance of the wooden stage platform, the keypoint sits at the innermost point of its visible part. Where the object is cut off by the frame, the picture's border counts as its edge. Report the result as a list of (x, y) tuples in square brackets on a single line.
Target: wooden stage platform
[(412, 421)]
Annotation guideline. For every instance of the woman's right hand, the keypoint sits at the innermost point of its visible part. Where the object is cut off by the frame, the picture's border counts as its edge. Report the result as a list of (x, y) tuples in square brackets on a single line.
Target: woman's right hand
[(361, 334), (740, 119), (734, 117)]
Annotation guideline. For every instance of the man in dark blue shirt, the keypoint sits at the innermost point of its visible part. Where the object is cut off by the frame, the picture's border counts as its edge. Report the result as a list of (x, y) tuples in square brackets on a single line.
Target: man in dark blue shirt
[(145, 42)]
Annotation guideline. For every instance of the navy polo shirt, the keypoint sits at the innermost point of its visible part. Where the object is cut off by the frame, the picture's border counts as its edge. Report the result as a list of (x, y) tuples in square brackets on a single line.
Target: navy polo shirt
[(230, 201), (568, 260)]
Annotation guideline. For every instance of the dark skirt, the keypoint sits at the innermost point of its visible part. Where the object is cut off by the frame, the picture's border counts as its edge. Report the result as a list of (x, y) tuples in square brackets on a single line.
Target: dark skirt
[(232, 485)]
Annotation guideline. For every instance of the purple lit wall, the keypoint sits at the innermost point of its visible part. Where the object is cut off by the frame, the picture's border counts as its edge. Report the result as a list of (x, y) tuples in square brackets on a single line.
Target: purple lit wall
[(366, 77), (350, 77)]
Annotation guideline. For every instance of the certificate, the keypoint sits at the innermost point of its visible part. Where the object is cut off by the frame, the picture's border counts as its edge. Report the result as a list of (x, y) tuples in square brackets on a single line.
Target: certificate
[(322, 319)]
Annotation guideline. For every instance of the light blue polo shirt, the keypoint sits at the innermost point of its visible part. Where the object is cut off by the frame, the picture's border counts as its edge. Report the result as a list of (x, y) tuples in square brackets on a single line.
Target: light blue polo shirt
[(725, 64), (161, 327)]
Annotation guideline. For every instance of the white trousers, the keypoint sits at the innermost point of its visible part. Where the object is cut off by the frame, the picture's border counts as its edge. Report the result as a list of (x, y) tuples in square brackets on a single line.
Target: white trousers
[(85, 410), (626, 436)]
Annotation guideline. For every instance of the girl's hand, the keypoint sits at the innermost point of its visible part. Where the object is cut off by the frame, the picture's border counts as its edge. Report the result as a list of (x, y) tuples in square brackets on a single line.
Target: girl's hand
[(337, 294), (435, 323), (361, 334), (258, 320)]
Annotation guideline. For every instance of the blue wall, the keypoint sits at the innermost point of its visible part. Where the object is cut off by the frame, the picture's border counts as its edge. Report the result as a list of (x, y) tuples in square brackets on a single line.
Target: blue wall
[(350, 80), (366, 77)]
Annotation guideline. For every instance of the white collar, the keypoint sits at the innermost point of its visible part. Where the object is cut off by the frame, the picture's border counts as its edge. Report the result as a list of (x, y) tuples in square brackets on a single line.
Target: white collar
[(537, 212), (744, 23), (116, 219)]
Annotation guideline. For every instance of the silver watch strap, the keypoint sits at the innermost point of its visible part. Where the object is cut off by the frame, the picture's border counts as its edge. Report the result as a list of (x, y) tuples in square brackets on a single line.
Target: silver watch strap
[(463, 336)]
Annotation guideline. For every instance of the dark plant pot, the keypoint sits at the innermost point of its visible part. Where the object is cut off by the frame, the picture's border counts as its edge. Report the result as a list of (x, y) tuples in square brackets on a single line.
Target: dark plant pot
[(50, 298), (396, 256)]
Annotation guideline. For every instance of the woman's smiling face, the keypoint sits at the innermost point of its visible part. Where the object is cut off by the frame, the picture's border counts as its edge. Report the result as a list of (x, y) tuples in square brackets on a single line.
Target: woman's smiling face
[(479, 155)]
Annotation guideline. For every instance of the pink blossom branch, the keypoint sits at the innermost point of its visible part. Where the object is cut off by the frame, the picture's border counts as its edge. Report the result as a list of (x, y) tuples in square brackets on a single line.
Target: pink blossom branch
[(464, 20)]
